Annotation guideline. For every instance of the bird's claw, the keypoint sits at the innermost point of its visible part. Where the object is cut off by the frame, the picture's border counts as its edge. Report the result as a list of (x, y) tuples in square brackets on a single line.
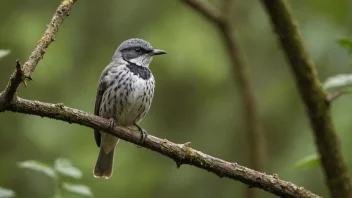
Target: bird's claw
[(143, 133), (112, 124)]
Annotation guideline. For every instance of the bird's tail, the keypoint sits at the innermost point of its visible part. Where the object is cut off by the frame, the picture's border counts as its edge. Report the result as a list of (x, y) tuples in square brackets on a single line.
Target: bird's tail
[(103, 167)]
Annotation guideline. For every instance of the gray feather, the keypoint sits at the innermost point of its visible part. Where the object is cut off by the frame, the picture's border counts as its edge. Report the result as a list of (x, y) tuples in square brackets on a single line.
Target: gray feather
[(125, 92)]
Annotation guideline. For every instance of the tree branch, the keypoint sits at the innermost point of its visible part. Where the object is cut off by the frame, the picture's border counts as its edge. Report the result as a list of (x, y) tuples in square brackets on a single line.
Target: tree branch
[(207, 10), (254, 133), (181, 153), (314, 97), (24, 71)]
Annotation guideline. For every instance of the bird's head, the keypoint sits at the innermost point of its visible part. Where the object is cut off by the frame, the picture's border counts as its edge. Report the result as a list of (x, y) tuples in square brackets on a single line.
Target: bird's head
[(137, 51)]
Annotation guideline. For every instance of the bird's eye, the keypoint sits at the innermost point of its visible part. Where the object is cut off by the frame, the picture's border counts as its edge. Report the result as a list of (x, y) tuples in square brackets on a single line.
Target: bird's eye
[(138, 49)]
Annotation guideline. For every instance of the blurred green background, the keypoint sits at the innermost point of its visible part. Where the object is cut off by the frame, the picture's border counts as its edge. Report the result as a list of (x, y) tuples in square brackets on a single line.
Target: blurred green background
[(196, 98)]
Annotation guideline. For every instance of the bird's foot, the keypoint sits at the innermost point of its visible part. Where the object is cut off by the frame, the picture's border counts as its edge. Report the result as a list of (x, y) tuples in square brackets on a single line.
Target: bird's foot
[(143, 133), (112, 124)]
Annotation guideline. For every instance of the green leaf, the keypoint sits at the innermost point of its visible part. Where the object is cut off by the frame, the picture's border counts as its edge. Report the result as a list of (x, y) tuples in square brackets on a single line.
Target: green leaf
[(340, 80), (346, 43), (6, 193), (4, 53), (78, 189), (310, 161), (38, 166), (65, 167)]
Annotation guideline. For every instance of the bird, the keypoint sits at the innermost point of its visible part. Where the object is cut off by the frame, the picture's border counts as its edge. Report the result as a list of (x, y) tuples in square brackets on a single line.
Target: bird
[(124, 95)]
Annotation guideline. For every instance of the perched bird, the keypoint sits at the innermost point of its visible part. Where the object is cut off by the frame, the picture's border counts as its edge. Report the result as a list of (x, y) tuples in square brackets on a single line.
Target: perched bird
[(124, 95)]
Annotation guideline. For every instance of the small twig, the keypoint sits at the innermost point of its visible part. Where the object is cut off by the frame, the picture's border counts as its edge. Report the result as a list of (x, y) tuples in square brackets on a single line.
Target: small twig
[(16, 78), (337, 94), (19, 72), (24, 72), (181, 153)]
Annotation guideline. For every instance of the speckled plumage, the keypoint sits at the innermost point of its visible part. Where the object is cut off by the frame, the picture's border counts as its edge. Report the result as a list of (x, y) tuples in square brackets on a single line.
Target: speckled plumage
[(125, 93), (128, 96)]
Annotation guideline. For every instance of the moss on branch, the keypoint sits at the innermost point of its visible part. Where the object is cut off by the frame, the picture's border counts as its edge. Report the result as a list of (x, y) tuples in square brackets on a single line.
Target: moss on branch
[(314, 98), (180, 153)]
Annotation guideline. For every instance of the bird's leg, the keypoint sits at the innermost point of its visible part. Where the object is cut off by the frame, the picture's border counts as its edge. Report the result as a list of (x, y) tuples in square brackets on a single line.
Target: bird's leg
[(143, 133), (112, 124)]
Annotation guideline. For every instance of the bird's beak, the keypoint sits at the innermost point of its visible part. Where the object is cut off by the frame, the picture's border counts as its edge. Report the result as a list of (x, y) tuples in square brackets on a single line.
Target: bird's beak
[(158, 52)]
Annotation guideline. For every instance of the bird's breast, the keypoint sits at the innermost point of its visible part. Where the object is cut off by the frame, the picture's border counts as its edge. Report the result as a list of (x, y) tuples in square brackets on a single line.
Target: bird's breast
[(134, 96)]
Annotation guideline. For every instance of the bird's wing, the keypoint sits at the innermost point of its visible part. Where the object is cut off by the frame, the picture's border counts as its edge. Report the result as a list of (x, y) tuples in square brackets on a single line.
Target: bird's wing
[(100, 92)]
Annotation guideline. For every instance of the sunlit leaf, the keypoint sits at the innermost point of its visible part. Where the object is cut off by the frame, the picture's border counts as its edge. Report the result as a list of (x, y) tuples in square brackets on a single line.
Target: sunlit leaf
[(66, 168), (340, 80), (38, 166), (78, 189), (346, 43), (310, 161), (6, 193), (4, 53)]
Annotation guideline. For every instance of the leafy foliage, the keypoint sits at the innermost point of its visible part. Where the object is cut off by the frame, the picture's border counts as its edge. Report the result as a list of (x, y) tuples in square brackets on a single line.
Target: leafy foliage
[(337, 81), (310, 161), (61, 167), (65, 167), (39, 166), (346, 43), (4, 53), (341, 80), (6, 193), (78, 189)]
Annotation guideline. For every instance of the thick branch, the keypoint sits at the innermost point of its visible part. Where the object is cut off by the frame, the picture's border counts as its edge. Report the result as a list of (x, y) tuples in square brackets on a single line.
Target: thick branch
[(181, 153), (25, 71), (240, 67), (314, 97)]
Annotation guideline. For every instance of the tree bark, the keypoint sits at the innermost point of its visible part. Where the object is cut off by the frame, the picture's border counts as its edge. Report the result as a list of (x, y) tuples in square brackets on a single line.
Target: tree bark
[(314, 97)]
